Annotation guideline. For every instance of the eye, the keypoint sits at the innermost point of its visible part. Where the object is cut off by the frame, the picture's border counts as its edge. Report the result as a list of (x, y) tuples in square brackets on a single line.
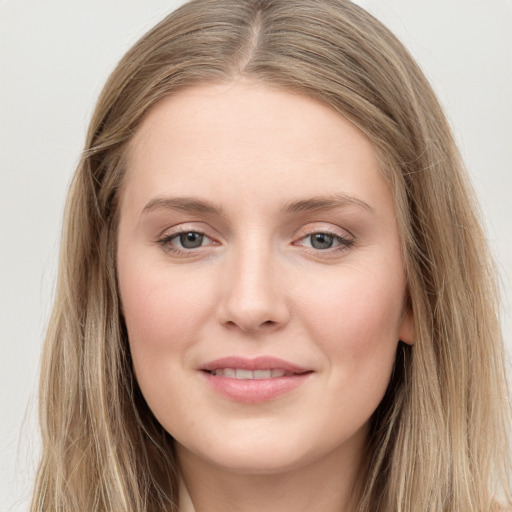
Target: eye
[(185, 241), (323, 241)]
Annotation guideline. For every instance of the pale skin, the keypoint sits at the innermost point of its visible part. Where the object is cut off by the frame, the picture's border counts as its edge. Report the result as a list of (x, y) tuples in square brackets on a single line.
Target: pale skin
[(255, 222)]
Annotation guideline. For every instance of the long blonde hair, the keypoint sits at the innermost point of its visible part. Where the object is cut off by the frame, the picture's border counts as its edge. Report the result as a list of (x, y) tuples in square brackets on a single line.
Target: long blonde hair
[(439, 440)]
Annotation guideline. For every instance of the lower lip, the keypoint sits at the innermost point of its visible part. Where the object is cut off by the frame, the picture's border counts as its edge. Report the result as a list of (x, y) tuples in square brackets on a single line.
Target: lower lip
[(253, 391)]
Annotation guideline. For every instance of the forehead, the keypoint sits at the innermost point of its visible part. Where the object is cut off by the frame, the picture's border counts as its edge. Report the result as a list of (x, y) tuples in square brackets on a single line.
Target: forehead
[(242, 139)]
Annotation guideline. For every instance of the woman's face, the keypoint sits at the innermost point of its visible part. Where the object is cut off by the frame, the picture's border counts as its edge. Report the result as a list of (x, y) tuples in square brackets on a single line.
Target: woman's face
[(260, 275)]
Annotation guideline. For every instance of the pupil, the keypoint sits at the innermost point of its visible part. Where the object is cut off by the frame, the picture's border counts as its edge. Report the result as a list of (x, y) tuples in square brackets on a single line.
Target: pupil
[(321, 241), (191, 240)]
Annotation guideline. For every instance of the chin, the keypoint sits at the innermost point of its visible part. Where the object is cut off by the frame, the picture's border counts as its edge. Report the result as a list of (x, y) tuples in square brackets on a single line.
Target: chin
[(255, 461), (273, 453)]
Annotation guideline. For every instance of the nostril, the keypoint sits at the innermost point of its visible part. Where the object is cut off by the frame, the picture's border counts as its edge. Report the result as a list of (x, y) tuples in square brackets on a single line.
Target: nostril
[(246, 326)]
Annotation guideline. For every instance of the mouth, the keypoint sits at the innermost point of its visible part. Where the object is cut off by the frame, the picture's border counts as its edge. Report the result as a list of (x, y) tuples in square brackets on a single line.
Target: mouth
[(254, 381), (243, 374)]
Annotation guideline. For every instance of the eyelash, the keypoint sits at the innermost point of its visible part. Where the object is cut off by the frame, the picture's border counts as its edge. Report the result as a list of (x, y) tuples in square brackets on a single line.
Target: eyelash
[(343, 243), (165, 242)]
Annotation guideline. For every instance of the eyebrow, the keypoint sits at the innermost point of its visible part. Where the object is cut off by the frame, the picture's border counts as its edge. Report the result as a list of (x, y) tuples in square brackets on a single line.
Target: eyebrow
[(195, 205), (325, 203), (186, 204)]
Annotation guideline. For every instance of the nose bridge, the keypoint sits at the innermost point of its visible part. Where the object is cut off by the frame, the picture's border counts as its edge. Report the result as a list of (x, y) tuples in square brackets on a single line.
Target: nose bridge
[(253, 299)]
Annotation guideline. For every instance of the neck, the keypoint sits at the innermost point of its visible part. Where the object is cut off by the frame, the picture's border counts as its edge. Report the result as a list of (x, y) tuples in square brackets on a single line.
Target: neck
[(328, 484)]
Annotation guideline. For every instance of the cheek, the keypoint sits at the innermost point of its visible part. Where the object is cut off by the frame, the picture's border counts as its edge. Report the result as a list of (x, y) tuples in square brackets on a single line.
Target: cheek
[(356, 327), (161, 307), (356, 322), (162, 313)]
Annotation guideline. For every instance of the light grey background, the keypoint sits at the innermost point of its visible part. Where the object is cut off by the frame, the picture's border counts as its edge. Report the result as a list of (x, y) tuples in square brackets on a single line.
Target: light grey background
[(55, 56)]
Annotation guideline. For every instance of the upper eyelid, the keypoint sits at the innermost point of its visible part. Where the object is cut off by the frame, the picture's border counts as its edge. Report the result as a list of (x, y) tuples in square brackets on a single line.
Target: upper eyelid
[(186, 227), (320, 227)]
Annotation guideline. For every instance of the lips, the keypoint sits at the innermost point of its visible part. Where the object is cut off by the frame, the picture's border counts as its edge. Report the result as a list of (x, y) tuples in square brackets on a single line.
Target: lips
[(253, 380), (258, 363), (243, 374)]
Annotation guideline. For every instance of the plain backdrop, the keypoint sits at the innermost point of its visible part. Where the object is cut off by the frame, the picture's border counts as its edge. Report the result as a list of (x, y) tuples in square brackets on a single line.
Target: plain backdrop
[(54, 57)]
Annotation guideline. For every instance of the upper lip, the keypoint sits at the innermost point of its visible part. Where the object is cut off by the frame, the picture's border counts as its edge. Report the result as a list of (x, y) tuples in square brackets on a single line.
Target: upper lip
[(257, 363)]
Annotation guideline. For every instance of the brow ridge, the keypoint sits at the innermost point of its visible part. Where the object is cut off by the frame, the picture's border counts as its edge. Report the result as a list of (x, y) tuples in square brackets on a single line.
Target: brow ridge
[(192, 204), (188, 204), (325, 203)]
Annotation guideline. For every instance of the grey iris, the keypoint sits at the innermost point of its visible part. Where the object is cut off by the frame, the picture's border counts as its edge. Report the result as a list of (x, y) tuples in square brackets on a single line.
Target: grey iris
[(321, 240), (191, 240)]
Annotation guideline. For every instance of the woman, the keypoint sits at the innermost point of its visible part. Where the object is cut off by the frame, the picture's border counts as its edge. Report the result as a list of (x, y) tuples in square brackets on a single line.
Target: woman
[(274, 292)]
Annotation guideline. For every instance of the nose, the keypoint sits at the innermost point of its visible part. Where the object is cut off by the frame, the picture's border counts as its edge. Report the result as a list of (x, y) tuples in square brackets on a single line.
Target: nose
[(254, 298)]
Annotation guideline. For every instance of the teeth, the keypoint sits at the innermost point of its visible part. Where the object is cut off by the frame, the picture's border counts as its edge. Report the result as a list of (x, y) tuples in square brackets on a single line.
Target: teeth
[(262, 374), (242, 374)]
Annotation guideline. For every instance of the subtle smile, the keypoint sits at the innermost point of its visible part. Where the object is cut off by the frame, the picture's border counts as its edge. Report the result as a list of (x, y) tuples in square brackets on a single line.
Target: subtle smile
[(242, 374), (253, 381)]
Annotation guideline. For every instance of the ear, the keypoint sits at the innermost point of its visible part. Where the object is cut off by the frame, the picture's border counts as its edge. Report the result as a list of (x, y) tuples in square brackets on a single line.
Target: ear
[(407, 330)]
